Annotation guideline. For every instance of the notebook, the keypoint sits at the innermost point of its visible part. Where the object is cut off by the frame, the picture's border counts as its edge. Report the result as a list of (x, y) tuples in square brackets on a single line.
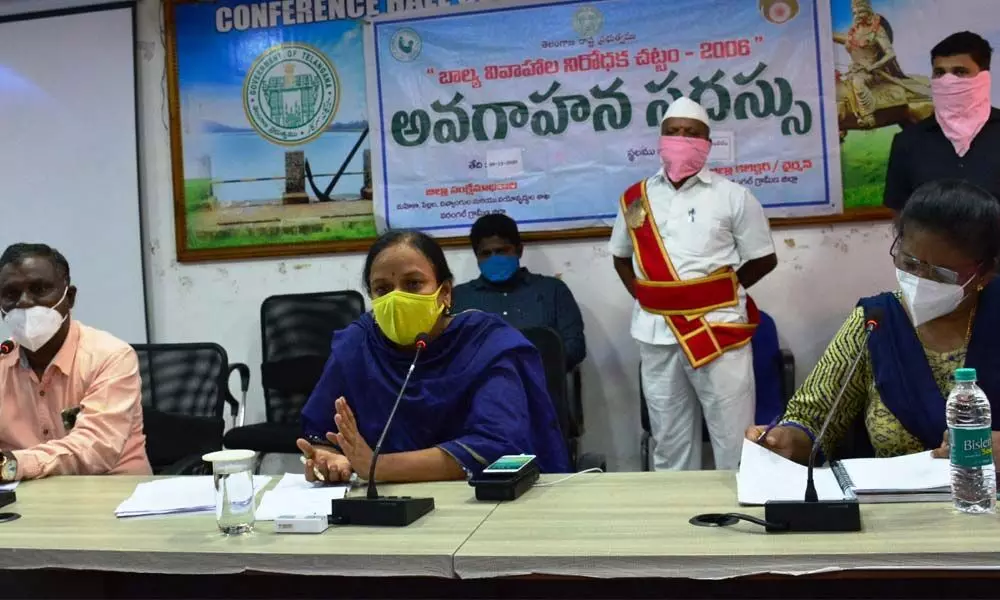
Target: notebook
[(765, 476), (911, 478)]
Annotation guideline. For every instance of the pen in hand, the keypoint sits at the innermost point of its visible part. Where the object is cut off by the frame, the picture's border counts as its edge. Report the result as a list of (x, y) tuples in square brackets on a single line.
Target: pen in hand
[(354, 481), (767, 430), (316, 471)]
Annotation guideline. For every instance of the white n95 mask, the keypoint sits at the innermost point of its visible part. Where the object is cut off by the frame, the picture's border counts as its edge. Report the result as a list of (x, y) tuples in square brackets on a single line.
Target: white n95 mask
[(33, 327), (927, 299)]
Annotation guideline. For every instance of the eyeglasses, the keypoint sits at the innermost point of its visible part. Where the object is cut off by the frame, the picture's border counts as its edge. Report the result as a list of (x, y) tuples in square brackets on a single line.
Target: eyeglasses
[(915, 266)]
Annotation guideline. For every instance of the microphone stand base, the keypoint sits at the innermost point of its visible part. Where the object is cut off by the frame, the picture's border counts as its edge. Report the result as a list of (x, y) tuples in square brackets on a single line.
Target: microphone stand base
[(824, 516), (384, 511)]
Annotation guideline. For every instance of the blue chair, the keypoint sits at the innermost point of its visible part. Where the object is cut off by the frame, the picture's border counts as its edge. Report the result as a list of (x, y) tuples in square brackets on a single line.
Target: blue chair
[(774, 375), (773, 369)]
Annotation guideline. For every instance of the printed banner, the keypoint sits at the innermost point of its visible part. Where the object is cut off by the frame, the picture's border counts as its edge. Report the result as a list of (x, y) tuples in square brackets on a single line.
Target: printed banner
[(887, 63), (270, 125), (548, 111)]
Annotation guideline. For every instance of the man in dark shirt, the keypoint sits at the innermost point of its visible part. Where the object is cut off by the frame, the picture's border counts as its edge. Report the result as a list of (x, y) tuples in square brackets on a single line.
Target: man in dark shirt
[(962, 139), (522, 298)]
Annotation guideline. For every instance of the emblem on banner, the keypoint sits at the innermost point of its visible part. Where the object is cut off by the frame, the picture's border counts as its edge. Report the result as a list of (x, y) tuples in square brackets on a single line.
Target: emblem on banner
[(635, 215), (405, 45), (779, 11), (291, 94), (587, 21)]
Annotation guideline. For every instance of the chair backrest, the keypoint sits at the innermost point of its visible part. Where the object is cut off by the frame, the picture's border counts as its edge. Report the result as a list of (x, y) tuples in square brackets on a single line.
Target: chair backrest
[(184, 390), (550, 346), (184, 379), (296, 331), (767, 370)]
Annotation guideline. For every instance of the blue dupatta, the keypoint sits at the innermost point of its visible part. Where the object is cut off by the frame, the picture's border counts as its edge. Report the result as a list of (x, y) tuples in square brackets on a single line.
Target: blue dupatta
[(903, 376)]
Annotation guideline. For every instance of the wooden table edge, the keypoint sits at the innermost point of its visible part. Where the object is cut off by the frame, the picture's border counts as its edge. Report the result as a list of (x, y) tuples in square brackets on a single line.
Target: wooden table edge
[(709, 568)]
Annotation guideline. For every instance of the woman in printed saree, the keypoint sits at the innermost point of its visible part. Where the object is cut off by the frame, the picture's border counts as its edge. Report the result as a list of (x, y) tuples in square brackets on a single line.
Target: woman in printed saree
[(945, 316), (477, 391)]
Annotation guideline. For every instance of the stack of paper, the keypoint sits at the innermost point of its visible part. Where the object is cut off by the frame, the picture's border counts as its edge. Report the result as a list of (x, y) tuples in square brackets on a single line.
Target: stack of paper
[(175, 495), (296, 497), (765, 476)]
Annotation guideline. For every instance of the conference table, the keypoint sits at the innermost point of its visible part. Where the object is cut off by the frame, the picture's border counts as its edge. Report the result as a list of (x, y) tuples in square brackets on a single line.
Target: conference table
[(593, 536)]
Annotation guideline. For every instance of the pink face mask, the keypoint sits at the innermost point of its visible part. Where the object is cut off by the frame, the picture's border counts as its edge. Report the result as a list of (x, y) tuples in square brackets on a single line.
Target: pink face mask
[(683, 156), (962, 107)]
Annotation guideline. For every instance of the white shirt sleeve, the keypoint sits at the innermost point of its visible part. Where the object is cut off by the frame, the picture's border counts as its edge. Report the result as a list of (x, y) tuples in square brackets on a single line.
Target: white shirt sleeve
[(751, 229), (620, 244)]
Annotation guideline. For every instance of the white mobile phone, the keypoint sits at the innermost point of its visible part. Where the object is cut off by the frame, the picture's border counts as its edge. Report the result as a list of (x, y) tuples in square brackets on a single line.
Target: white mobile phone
[(511, 463)]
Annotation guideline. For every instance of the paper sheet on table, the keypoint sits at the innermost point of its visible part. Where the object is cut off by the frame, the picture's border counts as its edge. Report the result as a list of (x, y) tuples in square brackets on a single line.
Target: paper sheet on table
[(176, 495), (910, 473), (294, 496), (295, 481), (765, 476), (7, 487)]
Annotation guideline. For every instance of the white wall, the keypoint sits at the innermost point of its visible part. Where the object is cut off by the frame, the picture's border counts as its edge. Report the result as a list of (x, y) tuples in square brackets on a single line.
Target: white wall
[(45, 94), (15, 7), (821, 274)]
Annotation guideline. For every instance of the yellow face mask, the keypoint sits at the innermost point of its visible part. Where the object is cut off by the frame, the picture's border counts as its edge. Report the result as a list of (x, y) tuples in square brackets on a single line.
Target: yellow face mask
[(403, 316)]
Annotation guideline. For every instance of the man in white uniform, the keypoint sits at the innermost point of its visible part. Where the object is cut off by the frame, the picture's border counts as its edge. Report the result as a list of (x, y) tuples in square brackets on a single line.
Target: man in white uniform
[(697, 241)]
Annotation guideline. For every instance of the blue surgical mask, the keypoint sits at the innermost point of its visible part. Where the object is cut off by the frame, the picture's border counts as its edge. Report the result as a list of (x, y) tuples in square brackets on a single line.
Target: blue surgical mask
[(499, 267)]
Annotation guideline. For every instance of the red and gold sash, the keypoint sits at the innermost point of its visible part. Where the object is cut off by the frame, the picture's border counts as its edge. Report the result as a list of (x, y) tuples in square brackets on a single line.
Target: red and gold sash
[(683, 303)]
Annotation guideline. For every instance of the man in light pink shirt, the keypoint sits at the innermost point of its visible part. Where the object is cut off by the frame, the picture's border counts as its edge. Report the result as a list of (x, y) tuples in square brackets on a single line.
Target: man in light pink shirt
[(70, 395)]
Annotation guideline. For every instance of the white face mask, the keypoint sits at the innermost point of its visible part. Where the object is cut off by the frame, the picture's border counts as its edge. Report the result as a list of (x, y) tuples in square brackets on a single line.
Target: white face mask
[(33, 327), (926, 299)]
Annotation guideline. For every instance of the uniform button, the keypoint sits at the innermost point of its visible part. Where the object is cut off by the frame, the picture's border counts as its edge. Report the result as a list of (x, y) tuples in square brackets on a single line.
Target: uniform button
[(41, 393), (505, 313), (505, 294)]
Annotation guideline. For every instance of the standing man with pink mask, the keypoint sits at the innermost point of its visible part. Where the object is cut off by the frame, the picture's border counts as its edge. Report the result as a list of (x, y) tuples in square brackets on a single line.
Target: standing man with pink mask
[(70, 395), (962, 139), (686, 244)]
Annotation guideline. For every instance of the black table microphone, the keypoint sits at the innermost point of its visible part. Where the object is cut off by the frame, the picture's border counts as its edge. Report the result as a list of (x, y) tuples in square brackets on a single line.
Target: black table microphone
[(392, 511), (811, 514)]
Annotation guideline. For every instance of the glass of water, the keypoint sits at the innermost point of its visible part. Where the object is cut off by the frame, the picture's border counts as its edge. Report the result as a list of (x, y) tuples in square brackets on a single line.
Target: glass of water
[(232, 473)]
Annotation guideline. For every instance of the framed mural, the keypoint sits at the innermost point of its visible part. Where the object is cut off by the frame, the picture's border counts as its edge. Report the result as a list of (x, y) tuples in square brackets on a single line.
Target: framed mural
[(269, 132)]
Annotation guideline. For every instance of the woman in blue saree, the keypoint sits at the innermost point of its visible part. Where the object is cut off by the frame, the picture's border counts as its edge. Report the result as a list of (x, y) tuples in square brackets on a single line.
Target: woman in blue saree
[(945, 316), (478, 390)]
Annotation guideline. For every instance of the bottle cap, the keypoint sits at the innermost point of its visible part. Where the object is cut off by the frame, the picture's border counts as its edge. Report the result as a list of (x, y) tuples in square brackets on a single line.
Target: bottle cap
[(965, 375)]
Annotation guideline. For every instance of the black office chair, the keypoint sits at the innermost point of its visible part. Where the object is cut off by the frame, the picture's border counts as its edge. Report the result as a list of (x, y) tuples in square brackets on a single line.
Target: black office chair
[(550, 346), (185, 388), (296, 332)]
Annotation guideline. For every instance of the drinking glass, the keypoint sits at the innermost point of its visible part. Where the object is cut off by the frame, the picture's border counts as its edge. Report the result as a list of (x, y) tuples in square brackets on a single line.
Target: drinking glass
[(232, 474)]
